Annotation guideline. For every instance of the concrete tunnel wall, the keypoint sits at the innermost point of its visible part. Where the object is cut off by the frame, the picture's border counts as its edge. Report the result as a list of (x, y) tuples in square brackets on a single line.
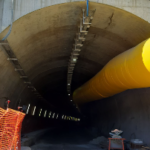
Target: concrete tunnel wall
[(34, 39), (128, 111), (23, 7), (42, 41)]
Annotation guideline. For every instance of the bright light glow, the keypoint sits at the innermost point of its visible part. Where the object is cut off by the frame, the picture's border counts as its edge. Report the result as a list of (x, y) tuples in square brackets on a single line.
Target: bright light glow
[(68, 83), (53, 115), (28, 109), (74, 59), (65, 117), (78, 119), (57, 116), (50, 114), (40, 112), (34, 111), (45, 113), (71, 100), (68, 94), (62, 117)]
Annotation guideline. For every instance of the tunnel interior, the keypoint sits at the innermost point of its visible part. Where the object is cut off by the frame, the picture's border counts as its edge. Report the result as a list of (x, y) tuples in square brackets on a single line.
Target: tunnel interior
[(42, 42)]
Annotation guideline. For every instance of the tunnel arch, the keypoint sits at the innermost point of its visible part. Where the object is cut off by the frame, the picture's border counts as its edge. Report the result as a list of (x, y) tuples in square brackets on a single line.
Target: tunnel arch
[(42, 41)]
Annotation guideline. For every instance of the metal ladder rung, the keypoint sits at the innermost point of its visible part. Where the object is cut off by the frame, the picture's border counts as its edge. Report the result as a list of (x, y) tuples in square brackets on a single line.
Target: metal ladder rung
[(15, 59)]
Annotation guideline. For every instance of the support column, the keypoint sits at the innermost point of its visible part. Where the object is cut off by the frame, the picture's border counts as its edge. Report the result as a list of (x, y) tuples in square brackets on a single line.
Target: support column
[(1, 13)]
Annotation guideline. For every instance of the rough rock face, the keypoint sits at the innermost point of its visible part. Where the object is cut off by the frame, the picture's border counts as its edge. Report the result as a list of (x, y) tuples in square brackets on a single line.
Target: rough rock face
[(101, 141)]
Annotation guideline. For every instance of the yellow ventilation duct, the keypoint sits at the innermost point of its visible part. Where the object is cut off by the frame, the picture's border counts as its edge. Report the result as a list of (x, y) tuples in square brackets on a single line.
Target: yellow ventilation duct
[(129, 70)]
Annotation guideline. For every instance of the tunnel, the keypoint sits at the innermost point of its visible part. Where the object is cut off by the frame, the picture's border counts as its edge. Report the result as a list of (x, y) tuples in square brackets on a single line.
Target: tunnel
[(34, 70)]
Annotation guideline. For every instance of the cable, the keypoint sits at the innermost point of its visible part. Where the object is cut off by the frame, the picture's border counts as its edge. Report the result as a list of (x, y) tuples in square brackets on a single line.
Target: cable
[(12, 12), (87, 8)]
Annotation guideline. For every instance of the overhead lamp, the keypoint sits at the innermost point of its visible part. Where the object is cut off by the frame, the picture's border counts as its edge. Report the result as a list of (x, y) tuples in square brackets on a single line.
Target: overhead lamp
[(34, 111), (40, 112), (45, 113), (68, 83), (68, 94), (53, 115), (28, 109), (74, 59), (50, 114)]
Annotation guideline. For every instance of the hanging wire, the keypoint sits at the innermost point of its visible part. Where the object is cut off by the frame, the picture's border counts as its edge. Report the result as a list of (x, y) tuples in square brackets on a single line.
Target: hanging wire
[(12, 12), (87, 8)]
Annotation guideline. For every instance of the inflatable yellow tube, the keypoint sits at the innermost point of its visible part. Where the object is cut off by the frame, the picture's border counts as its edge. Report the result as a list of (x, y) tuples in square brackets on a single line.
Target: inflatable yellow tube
[(128, 70)]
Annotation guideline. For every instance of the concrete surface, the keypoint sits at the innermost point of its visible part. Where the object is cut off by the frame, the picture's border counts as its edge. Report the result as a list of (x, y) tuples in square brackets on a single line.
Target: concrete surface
[(1, 14), (34, 40), (23, 7), (128, 111), (42, 41)]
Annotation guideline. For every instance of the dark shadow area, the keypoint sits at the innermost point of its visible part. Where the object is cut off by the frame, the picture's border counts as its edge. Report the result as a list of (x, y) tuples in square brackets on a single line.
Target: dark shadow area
[(67, 135), (66, 138)]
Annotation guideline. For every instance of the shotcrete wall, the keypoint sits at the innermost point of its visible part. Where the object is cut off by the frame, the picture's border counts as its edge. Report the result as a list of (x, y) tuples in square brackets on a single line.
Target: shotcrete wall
[(128, 111), (139, 8)]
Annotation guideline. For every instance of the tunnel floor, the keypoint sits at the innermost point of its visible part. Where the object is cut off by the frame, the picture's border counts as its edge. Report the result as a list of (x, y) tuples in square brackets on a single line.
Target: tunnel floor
[(65, 139)]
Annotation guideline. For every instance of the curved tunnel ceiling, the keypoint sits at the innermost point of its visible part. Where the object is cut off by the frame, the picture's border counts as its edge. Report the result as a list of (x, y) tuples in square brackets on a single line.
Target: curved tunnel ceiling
[(43, 40)]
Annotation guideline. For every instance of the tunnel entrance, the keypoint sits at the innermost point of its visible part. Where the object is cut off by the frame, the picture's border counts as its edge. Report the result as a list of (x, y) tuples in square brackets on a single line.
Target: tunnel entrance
[(34, 66)]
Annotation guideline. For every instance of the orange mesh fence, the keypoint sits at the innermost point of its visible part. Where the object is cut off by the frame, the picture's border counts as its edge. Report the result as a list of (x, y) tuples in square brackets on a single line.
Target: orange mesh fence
[(10, 128), (17, 136), (2, 113)]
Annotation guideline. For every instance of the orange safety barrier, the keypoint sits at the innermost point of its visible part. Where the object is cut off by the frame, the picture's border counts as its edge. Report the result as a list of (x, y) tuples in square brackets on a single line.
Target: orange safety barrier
[(10, 129)]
